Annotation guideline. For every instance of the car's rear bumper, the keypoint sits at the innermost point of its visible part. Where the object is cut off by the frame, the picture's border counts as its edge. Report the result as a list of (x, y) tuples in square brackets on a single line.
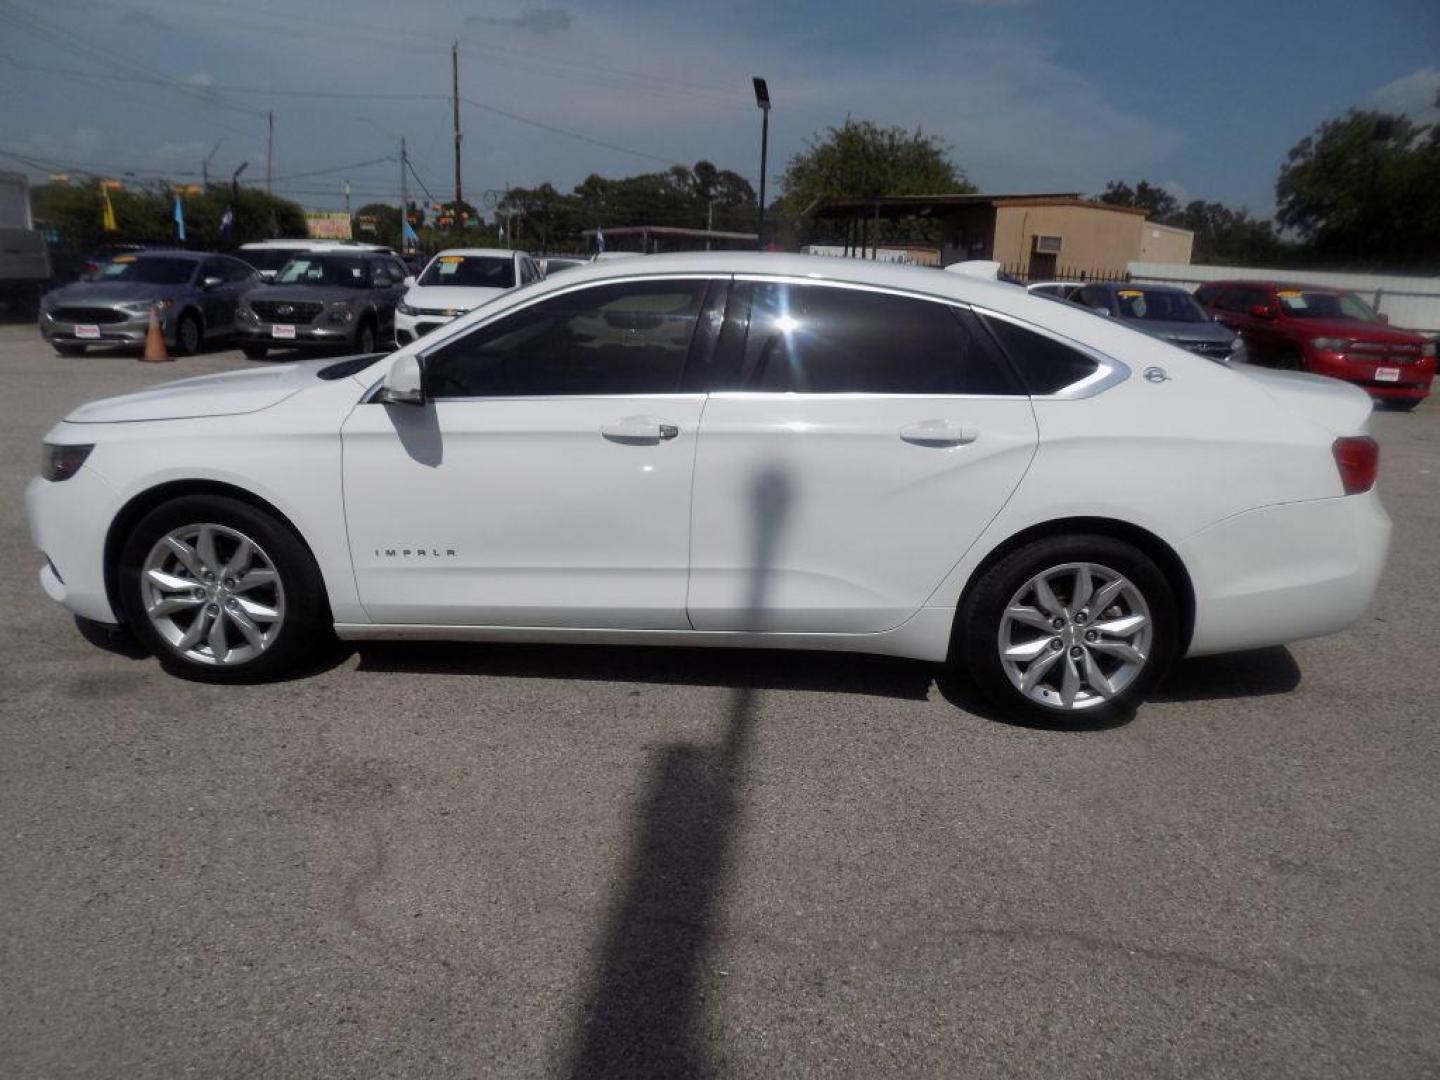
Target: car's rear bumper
[(1287, 572)]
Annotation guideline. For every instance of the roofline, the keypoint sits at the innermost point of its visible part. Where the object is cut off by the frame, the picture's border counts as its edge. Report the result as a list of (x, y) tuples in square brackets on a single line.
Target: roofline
[(671, 231), (957, 200)]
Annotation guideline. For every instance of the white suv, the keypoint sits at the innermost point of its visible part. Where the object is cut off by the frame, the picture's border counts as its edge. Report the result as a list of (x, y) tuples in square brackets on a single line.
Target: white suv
[(733, 449)]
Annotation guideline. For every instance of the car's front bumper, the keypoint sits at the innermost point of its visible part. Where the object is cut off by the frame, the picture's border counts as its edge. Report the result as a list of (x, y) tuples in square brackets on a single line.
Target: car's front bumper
[(1412, 380), (68, 523), (410, 328), (1282, 573), (131, 331), (306, 337)]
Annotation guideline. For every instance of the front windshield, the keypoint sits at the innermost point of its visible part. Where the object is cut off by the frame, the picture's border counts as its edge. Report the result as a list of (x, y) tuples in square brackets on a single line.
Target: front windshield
[(323, 270), (1159, 305), (1299, 304), (471, 271), (267, 258), (147, 269)]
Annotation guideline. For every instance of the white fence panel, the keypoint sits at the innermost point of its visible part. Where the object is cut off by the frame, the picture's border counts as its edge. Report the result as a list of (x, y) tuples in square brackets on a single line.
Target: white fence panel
[(1411, 302)]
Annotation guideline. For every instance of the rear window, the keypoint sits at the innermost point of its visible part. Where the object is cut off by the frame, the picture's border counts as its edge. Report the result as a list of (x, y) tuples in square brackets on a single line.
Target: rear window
[(1046, 366)]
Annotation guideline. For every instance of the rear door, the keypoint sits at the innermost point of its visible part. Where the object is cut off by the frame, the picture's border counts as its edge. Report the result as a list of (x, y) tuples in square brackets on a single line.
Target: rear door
[(869, 438)]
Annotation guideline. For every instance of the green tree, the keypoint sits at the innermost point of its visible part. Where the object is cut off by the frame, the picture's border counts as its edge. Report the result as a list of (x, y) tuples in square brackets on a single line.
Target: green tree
[(1223, 236), (1361, 190), (385, 228), (1159, 204), (860, 159)]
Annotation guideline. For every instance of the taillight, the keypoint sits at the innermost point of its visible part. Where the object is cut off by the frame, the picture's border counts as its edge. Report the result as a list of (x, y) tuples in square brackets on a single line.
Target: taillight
[(1358, 459)]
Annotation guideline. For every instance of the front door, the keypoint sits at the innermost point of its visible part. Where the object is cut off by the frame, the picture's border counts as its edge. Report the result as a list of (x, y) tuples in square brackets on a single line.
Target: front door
[(873, 438), (547, 480)]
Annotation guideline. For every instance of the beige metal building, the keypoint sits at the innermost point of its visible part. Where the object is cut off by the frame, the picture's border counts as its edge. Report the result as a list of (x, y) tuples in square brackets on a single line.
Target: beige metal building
[(1035, 236)]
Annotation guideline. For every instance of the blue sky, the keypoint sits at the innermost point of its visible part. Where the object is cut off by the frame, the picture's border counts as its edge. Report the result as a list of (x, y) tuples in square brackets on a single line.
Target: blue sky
[(1031, 94)]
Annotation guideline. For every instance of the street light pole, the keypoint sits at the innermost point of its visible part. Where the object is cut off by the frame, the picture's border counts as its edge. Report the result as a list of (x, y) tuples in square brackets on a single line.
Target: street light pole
[(762, 99)]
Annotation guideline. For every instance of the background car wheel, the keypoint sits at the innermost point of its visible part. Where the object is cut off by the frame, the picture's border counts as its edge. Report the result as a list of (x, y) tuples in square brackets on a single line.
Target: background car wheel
[(1404, 405), (70, 350), (188, 335), (1070, 629), (222, 592), (1289, 360), (254, 352), (365, 338)]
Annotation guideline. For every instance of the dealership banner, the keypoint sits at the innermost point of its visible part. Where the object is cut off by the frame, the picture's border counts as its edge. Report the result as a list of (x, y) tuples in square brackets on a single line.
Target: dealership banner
[(327, 224)]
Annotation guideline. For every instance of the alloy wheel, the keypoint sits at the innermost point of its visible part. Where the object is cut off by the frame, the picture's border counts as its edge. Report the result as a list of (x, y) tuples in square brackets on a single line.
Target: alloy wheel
[(212, 594), (1075, 636)]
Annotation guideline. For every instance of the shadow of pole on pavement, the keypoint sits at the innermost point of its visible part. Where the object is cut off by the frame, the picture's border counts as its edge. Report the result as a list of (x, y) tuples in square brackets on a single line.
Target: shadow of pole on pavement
[(646, 999)]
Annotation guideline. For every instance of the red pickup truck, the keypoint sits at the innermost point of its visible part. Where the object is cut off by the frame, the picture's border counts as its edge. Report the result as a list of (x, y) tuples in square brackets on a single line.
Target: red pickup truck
[(1326, 331)]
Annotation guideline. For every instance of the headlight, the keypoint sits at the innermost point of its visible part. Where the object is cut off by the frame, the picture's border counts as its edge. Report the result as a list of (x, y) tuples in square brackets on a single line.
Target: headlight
[(142, 307), (1330, 344), (1428, 349), (339, 310), (406, 309), (63, 462)]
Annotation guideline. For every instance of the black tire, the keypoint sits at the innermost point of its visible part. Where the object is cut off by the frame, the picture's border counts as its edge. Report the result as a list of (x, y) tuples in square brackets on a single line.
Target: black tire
[(365, 337), (69, 350), (1289, 360), (976, 642), (1403, 405), (306, 625), (189, 335), (254, 352)]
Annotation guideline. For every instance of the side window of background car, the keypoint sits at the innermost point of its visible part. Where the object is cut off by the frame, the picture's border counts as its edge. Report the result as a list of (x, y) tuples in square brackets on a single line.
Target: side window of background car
[(237, 272), (1046, 366), (629, 338), (827, 340), (379, 274)]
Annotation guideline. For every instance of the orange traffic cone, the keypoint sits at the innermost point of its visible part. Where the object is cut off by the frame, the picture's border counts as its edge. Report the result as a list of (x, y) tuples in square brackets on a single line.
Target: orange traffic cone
[(154, 339)]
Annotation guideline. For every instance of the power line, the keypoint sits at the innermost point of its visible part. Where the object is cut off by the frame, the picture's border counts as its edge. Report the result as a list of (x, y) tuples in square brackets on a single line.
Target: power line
[(568, 134)]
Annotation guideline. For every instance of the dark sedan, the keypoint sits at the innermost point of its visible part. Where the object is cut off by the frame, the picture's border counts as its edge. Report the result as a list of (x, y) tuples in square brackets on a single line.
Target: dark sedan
[(325, 300), (1162, 311), (196, 293)]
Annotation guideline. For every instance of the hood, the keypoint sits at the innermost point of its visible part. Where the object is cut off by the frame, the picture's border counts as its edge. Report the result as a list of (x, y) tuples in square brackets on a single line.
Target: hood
[(1182, 331), (450, 297), (112, 292), (1356, 329), (206, 395), (314, 294), (1339, 407)]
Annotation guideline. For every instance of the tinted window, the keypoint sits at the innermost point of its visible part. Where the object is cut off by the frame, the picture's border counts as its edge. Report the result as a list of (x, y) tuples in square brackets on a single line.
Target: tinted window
[(268, 258), (1045, 365), (236, 271), (1158, 305), (1206, 293), (313, 269), (616, 339), (1300, 304), (818, 340), (1093, 296)]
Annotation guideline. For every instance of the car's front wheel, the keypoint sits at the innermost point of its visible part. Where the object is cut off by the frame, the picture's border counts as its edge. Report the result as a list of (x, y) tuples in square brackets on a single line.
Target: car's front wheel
[(1069, 629), (221, 591), (254, 352)]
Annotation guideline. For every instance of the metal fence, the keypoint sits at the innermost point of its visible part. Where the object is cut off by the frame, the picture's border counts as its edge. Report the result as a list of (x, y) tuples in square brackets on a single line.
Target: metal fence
[(1409, 302), (1021, 273)]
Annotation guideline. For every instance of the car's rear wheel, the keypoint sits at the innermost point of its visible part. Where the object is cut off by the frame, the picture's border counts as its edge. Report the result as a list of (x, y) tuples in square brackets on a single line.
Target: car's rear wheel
[(69, 350), (220, 591), (1288, 359), (254, 352), (188, 335), (1069, 629)]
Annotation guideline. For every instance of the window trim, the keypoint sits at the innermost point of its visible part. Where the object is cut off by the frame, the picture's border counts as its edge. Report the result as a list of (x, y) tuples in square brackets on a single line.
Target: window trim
[(422, 356)]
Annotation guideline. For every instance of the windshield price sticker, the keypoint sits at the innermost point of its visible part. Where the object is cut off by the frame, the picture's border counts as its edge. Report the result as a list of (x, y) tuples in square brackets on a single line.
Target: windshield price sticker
[(123, 259), (1130, 294), (283, 330)]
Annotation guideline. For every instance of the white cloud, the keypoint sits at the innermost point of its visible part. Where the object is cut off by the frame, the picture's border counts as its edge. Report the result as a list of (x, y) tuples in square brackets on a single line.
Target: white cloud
[(1413, 94)]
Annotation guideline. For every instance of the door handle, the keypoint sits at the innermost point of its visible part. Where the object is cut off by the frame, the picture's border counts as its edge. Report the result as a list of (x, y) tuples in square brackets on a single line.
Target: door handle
[(939, 433), (639, 430)]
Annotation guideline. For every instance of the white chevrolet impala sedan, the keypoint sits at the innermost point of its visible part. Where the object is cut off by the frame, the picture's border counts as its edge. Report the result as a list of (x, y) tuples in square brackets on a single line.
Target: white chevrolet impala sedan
[(733, 449)]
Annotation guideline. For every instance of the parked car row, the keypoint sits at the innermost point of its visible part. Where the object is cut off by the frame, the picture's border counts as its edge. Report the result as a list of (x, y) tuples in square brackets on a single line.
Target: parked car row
[(1311, 328), (300, 294)]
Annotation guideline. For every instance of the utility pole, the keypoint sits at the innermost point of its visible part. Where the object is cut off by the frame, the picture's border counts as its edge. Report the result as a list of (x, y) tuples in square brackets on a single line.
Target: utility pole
[(347, 198), (269, 148), (709, 219), (455, 106), (762, 102), (205, 165), (404, 203)]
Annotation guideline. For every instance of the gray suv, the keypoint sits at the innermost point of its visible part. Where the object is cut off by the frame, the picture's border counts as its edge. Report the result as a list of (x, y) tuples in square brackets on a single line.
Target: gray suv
[(1162, 311), (197, 294), (325, 300)]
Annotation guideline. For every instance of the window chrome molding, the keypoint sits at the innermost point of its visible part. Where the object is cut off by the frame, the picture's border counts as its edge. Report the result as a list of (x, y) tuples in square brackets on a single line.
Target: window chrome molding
[(1108, 373)]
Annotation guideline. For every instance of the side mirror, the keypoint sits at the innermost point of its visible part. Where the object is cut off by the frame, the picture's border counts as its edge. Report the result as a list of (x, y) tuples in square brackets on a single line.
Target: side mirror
[(404, 384), (1260, 311), (211, 283), (410, 281)]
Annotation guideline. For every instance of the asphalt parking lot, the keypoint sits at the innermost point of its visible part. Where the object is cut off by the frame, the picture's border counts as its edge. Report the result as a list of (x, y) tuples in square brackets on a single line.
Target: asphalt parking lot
[(523, 861)]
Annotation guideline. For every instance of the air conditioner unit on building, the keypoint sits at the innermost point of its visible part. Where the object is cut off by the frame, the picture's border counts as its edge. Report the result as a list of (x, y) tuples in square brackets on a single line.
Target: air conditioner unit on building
[(1049, 245)]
